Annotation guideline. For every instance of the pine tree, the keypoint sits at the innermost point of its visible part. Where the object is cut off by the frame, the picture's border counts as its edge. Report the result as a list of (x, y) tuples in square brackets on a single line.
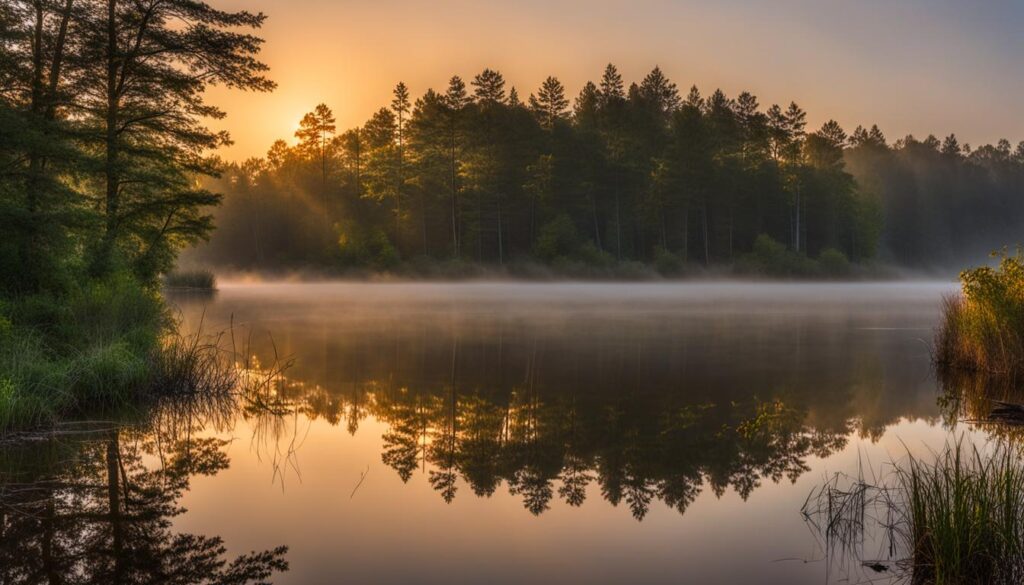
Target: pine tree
[(315, 131), (489, 88), (400, 105), (660, 92), (151, 65), (513, 98), (951, 146), (612, 88), (550, 104), (587, 104), (40, 75), (456, 100)]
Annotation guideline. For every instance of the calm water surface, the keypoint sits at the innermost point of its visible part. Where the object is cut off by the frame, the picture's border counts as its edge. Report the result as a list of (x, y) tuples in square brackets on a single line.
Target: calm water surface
[(512, 433)]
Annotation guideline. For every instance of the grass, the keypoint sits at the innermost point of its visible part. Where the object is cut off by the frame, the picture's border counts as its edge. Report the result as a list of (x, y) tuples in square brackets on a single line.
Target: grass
[(954, 518), (982, 328), (107, 346), (200, 280)]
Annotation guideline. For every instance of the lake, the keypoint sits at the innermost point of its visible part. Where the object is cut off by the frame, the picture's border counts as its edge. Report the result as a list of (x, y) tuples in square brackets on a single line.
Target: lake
[(522, 432)]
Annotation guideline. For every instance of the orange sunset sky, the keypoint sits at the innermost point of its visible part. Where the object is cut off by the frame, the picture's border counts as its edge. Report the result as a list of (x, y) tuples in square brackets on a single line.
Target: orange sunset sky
[(911, 66)]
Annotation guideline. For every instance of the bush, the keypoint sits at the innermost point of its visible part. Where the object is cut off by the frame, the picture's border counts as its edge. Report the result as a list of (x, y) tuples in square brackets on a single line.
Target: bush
[(833, 262), (558, 238), (589, 254), (983, 328), (667, 263), (118, 308), (771, 257), (357, 250)]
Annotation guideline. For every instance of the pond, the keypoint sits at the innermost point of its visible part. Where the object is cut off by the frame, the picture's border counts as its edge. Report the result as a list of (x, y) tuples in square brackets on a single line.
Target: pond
[(513, 432)]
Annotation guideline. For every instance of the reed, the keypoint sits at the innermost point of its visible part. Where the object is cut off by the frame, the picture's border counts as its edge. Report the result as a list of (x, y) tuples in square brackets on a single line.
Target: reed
[(956, 517)]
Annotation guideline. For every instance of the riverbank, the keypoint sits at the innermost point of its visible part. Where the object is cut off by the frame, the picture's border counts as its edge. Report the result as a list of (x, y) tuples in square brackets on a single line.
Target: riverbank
[(107, 345)]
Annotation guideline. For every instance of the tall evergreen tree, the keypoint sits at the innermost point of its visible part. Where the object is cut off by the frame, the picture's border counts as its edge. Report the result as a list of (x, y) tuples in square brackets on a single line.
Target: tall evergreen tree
[(550, 105), (400, 105), (315, 132), (489, 88), (153, 60)]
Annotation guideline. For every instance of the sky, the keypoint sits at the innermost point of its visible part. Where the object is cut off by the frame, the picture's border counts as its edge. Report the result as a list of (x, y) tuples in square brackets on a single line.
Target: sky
[(911, 66)]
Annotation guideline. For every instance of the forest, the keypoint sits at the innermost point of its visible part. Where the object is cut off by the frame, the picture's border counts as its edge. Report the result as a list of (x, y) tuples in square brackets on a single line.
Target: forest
[(614, 182)]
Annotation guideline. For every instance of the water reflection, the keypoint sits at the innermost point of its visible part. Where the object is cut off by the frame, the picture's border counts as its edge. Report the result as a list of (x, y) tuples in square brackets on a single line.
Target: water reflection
[(545, 399), (95, 503), (545, 445), (603, 434)]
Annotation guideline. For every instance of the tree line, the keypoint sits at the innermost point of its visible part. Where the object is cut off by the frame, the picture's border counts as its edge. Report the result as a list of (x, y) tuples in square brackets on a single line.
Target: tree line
[(618, 174)]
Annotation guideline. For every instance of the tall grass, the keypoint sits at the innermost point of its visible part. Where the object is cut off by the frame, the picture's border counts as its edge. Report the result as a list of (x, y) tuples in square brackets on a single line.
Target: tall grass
[(954, 518), (109, 345), (983, 327)]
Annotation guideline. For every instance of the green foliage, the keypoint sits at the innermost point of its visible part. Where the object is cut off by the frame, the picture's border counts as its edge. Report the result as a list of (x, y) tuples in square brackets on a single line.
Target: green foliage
[(558, 238), (112, 309), (833, 263), (983, 329), (109, 373), (772, 258), (100, 186), (667, 263), (373, 249)]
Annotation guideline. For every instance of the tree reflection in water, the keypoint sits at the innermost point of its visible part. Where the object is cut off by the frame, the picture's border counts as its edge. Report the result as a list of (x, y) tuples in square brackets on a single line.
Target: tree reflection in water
[(93, 503), (547, 442)]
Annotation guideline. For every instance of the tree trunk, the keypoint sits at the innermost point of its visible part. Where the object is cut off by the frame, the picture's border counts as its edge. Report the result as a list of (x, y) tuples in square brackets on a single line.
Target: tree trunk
[(707, 246), (111, 171), (796, 245), (501, 246), (423, 219), (618, 228), (686, 233), (455, 200)]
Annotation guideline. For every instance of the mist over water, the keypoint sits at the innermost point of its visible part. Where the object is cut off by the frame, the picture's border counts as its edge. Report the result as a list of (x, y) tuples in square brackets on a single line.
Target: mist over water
[(652, 432)]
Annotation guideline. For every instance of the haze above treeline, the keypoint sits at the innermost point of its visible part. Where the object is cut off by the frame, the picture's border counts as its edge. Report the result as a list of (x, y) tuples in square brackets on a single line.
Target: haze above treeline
[(621, 178)]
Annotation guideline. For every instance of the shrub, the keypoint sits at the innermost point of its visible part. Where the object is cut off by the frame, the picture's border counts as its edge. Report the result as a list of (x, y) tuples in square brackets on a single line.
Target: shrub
[(557, 238), (983, 327), (375, 250), (772, 258), (114, 309), (833, 262), (667, 263), (589, 254)]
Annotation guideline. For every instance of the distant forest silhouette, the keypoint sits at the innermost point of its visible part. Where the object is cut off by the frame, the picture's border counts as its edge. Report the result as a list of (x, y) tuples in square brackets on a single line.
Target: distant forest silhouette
[(621, 175)]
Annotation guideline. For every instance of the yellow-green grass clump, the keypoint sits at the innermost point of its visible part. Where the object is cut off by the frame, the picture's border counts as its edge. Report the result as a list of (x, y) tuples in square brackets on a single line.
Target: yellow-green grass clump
[(983, 327)]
